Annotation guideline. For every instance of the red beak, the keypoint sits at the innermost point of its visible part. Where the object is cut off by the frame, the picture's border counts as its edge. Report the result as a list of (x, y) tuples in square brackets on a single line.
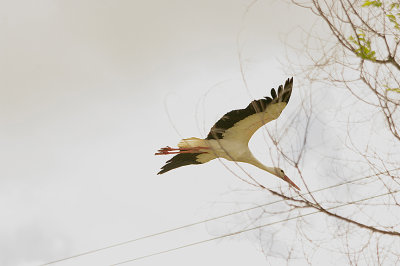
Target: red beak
[(290, 182)]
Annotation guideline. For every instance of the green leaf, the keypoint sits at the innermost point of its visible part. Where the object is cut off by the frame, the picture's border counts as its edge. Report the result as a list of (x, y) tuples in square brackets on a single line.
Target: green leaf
[(362, 46), (393, 5), (373, 3), (393, 19), (391, 89), (394, 89)]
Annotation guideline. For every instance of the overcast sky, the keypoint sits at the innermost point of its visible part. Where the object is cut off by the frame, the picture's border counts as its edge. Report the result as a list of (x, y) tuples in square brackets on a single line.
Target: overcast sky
[(84, 90)]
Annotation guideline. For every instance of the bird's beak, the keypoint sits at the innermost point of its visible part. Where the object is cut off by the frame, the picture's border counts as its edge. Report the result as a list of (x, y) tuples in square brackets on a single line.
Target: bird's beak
[(290, 182)]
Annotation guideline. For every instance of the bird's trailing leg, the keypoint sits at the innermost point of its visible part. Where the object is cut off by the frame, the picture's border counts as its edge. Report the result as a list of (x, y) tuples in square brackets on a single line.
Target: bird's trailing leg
[(168, 150)]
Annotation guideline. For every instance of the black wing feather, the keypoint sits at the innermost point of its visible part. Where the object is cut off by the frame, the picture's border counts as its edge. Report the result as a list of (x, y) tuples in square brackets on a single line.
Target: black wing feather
[(256, 106), (273, 93), (179, 160)]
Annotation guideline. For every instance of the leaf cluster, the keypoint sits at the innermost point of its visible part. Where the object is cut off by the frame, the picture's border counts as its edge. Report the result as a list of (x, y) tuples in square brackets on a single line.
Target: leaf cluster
[(363, 46), (392, 13)]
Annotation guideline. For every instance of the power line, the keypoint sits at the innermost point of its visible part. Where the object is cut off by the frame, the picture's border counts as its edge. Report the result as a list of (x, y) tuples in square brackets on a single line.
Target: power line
[(249, 229), (208, 220)]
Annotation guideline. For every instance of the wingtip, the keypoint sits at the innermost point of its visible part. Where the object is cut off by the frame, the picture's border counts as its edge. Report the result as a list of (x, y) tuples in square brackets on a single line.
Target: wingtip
[(273, 93)]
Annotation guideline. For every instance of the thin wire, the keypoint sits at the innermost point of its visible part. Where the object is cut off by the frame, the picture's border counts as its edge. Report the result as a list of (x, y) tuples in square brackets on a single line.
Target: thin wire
[(250, 229), (208, 220)]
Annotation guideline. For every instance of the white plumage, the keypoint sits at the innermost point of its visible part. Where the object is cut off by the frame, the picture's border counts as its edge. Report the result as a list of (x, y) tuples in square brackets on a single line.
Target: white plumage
[(229, 137)]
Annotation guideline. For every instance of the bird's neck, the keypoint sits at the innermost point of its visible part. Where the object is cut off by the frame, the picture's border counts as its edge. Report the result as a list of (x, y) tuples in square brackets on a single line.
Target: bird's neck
[(258, 164)]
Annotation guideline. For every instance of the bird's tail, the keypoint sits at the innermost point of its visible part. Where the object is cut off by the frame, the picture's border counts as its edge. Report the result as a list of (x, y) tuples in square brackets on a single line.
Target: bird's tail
[(192, 143)]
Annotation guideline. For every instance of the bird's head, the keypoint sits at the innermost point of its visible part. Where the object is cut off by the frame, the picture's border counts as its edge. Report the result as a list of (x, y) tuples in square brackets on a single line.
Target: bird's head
[(281, 174)]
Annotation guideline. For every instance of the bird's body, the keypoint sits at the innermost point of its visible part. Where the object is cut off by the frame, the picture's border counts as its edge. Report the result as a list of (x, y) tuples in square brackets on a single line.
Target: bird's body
[(229, 149), (229, 137)]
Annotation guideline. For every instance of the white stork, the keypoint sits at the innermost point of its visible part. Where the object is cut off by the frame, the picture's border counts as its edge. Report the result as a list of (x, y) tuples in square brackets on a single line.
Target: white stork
[(229, 137)]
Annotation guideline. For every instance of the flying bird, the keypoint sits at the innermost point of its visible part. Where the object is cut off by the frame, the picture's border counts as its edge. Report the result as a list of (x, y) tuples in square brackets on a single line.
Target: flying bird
[(229, 137)]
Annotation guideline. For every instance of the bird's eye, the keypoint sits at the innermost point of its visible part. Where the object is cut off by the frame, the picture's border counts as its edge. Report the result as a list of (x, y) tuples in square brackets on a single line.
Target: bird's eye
[(282, 172)]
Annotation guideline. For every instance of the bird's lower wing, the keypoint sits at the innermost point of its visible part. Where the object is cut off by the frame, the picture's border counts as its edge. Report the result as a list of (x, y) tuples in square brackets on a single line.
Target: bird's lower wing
[(183, 159)]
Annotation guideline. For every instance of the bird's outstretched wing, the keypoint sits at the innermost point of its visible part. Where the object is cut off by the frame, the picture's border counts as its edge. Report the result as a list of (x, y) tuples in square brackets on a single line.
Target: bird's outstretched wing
[(243, 123), (183, 159)]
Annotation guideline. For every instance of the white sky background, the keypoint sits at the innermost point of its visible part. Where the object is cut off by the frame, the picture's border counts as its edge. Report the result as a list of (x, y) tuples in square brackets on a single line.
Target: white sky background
[(83, 88)]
